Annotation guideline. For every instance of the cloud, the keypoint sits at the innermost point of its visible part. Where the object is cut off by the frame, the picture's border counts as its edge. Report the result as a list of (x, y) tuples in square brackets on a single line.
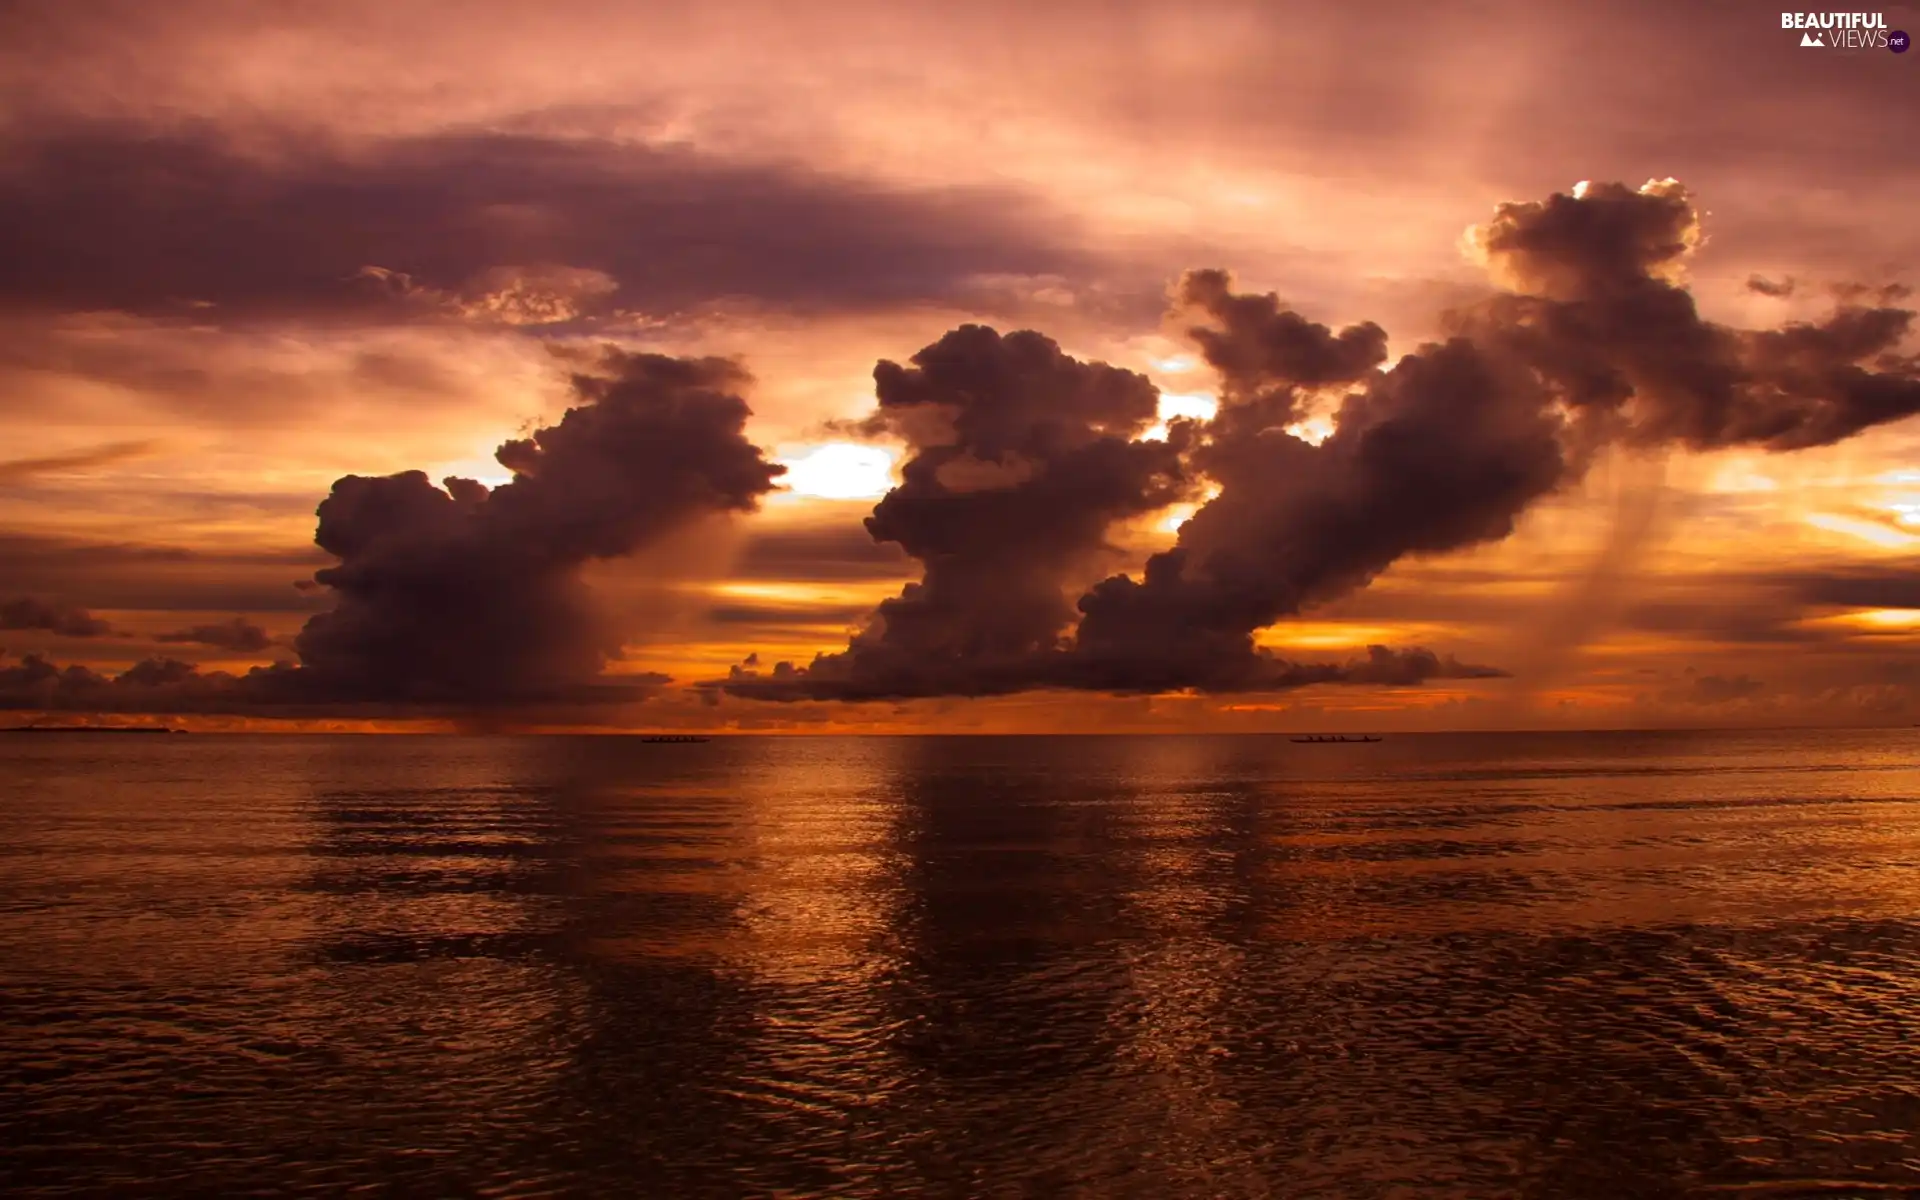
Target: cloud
[(16, 470), (840, 615), (66, 620), (496, 228), (121, 575), (1755, 621), (1021, 458), (1598, 311), (1024, 461), (1894, 585), (153, 685), (239, 635), (465, 594), (1256, 345), (819, 553), (168, 685), (1444, 451), (1593, 339)]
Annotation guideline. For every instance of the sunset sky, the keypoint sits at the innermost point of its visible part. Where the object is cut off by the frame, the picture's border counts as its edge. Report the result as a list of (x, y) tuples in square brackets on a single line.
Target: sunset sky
[(249, 250)]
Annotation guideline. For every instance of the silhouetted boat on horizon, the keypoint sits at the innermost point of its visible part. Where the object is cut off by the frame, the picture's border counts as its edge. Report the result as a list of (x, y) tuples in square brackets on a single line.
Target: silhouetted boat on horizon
[(675, 737), (1322, 739)]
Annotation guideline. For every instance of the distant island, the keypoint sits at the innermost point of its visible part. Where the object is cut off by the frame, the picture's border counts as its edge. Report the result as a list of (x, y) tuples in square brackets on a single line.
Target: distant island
[(90, 729)]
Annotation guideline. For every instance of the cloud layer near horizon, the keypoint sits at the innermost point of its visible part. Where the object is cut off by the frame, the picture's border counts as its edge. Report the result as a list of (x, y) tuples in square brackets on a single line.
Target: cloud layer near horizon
[(1025, 462)]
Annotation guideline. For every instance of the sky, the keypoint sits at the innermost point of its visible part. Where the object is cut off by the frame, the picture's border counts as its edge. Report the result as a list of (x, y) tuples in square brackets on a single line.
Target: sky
[(1081, 367)]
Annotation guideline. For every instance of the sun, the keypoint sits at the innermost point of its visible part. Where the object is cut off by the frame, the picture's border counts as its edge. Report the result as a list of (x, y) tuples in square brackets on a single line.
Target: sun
[(838, 471)]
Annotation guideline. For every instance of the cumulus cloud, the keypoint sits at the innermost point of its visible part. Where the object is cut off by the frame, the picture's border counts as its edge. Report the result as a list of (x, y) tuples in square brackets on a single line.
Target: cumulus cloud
[(1599, 313), (1257, 345), (1023, 460), (1593, 339), (464, 595), (461, 593)]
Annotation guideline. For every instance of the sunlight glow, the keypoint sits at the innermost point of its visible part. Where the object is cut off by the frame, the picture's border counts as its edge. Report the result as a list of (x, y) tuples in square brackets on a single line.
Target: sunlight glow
[(1741, 477), (482, 466), (1340, 635), (1179, 514), (1866, 531), (1871, 622), (1905, 509), (1197, 405), (1887, 618), (1313, 430), (838, 471)]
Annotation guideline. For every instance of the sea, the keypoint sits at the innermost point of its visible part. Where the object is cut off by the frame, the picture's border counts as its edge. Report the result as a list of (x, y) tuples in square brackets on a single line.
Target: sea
[(1472, 965)]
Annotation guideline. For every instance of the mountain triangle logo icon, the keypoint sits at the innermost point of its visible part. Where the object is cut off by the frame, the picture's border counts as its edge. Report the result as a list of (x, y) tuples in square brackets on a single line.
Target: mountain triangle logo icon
[(1812, 39)]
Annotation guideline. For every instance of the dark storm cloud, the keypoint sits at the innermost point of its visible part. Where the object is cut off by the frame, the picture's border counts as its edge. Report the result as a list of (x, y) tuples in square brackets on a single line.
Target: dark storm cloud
[(461, 595), (471, 595), (1256, 344), (65, 620), (493, 227), (1593, 340), (1021, 459), (238, 634), (1596, 311), (1444, 451), (1452, 445), (1767, 287)]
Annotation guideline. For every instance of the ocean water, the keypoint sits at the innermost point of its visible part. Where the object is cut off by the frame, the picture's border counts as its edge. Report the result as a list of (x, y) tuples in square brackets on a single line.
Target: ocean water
[(1566, 965)]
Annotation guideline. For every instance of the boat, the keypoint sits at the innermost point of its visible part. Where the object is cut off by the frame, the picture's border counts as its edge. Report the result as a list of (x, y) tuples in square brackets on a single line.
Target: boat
[(1322, 738), (675, 737)]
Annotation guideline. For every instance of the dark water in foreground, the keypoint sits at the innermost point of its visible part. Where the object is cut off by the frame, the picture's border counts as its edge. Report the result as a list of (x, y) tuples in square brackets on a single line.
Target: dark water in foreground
[(1510, 965)]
